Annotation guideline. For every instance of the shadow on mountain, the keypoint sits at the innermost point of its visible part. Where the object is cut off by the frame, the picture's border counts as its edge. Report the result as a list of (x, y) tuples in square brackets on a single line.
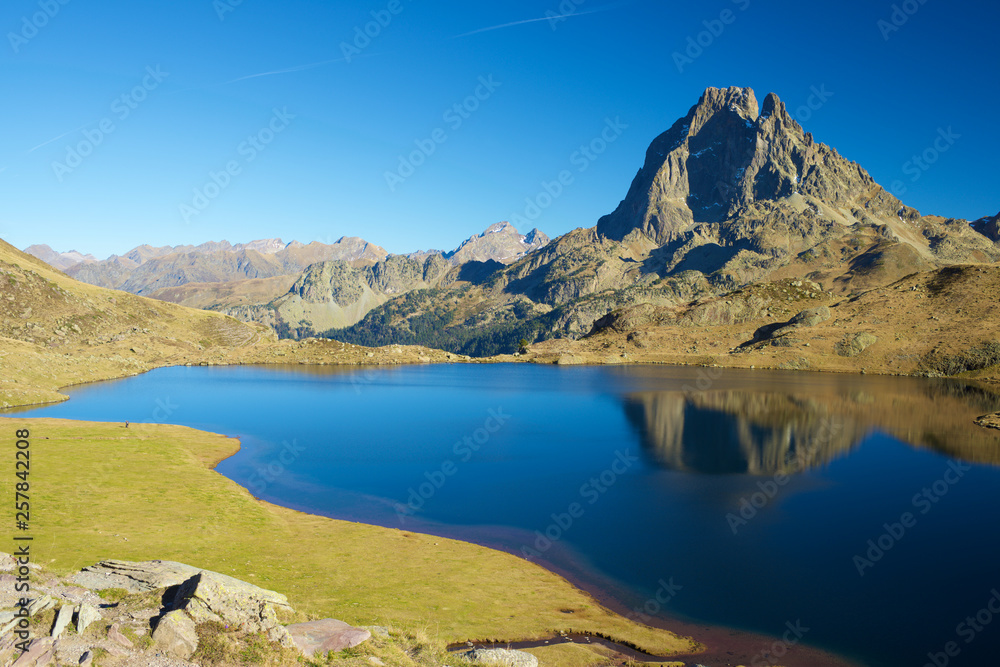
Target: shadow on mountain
[(766, 433), (709, 258), (477, 272)]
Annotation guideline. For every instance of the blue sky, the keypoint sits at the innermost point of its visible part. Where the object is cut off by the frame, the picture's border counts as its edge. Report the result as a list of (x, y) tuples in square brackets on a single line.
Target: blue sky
[(119, 114)]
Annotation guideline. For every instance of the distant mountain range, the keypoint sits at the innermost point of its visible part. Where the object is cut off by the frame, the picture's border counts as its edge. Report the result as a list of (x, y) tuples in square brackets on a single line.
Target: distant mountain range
[(245, 278), (734, 194)]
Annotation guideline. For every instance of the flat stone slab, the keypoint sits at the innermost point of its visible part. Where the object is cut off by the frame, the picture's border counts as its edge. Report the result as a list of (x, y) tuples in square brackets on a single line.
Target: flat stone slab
[(319, 637), (134, 577)]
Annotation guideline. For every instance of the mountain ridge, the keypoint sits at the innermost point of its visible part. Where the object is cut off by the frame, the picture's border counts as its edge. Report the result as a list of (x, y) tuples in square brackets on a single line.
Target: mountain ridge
[(729, 196)]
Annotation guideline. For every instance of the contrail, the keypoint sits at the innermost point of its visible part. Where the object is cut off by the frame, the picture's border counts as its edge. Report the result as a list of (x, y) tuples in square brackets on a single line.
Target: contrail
[(287, 70), (554, 16), (64, 134)]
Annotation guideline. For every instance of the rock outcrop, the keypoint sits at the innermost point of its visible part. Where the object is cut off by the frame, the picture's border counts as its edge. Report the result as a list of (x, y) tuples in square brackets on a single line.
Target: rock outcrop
[(502, 657), (210, 596), (806, 318), (163, 628)]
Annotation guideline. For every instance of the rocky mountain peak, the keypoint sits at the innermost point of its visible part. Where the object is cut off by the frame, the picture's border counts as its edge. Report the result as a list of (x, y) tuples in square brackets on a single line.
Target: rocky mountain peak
[(723, 158), (715, 101), (500, 242)]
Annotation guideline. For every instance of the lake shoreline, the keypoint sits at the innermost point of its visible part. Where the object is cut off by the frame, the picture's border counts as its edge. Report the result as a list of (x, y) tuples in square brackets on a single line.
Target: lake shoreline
[(849, 397)]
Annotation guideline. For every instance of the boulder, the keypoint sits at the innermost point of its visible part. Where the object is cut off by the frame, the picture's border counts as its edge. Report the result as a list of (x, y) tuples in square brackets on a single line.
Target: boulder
[(854, 344), (85, 615), (63, 618), (87, 659), (320, 637), (134, 577), (175, 634), (503, 657), (209, 596)]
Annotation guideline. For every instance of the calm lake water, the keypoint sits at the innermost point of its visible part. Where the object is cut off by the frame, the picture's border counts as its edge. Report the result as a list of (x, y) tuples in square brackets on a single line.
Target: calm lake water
[(753, 494)]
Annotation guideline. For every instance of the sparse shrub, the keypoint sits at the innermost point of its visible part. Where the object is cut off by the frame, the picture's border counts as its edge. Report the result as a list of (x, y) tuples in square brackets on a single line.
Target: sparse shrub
[(219, 644)]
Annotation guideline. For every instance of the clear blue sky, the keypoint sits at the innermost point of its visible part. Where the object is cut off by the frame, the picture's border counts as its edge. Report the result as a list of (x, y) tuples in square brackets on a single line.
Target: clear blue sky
[(225, 66)]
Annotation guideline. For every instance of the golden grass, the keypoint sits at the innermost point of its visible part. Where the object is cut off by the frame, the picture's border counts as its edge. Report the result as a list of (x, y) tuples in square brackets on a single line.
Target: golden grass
[(101, 491)]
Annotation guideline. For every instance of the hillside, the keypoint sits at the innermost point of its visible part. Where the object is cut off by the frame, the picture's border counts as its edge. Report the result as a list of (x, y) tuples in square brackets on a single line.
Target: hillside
[(933, 323), (56, 331), (730, 196)]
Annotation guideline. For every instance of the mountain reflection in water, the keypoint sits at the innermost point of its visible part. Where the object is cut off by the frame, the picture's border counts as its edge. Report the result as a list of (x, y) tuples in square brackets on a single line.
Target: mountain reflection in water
[(767, 433)]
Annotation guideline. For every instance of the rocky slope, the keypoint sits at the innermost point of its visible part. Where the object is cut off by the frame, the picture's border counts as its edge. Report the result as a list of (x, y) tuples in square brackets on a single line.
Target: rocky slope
[(730, 196)]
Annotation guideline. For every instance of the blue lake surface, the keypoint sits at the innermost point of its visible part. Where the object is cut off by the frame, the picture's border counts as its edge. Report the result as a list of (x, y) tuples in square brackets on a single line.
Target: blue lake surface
[(755, 492)]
